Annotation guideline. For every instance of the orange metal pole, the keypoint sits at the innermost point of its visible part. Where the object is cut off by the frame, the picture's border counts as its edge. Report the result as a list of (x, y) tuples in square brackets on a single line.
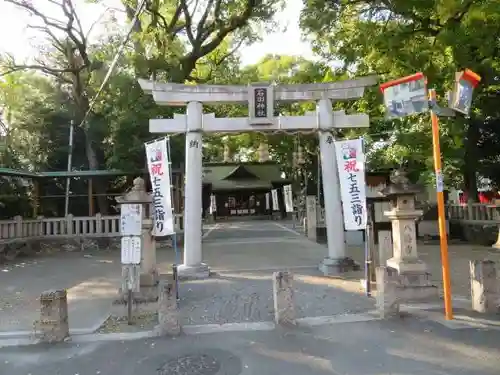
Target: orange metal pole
[(443, 238)]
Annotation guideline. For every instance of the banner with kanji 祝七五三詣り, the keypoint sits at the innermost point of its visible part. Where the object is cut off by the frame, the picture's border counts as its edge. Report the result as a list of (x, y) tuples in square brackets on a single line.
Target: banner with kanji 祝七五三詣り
[(159, 171), (351, 169)]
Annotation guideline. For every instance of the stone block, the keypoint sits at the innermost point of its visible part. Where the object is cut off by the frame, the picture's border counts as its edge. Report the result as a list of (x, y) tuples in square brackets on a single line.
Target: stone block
[(148, 279), (387, 296), (417, 293), (53, 324), (336, 267), (415, 279), (168, 311), (199, 271), (484, 286), (284, 304)]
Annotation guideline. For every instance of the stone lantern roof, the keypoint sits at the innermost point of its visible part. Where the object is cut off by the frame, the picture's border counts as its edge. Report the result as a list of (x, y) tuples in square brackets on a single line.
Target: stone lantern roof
[(400, 185), (137, 194)]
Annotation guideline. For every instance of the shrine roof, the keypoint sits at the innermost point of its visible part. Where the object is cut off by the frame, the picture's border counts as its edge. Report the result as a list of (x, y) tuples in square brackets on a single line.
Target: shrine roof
[(227, 176)]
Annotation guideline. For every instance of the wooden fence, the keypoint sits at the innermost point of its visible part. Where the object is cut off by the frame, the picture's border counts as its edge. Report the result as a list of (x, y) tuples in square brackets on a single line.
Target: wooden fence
[(475, 213)]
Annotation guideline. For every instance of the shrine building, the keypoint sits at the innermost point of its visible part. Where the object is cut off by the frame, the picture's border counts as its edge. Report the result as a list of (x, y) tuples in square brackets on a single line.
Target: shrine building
[(240, 188)]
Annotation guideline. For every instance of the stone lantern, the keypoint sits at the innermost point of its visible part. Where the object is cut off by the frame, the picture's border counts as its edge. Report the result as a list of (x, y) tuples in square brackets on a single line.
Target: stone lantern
[(138, 195), (227, 154), (403, 216), (300, 156), (413, 276), (263, 152)]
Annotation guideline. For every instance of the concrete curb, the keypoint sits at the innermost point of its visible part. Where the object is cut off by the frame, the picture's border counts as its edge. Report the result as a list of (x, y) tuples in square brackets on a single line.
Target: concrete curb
[(7, 335), (419, 310), (201, 329)]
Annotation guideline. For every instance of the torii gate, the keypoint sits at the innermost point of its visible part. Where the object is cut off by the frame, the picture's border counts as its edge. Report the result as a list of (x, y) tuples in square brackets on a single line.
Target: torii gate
[(260, 98)]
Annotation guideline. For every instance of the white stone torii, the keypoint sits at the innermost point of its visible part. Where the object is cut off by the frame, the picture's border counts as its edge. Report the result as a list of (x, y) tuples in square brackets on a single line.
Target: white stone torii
[(195, 123)]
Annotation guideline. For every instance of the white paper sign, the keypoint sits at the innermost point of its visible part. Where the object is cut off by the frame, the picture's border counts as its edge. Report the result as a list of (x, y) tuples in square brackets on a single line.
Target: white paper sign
[(287, 191), (351, 168), (159, 172), (267, 202), (213, 204), (274, 194), (131, 250), (130, 219)]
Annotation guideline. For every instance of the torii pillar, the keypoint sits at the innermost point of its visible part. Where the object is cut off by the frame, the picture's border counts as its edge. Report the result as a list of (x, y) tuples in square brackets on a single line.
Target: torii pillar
[(260, 99)]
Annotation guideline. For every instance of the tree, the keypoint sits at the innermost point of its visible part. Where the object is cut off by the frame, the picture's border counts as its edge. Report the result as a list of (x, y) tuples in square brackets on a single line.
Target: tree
[(436, 37), (159, 50), (70, 64), (174, 36)]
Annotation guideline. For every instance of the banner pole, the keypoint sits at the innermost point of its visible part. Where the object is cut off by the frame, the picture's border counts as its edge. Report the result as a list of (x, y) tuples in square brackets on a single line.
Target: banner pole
[(443, 238)]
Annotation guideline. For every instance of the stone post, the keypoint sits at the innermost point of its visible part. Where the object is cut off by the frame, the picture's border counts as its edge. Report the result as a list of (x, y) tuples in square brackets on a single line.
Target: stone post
[(284, 304), (69, 225), (387, 298), (53, 323), (384, 246), (168, 313), (19, 226), (138, 195), (311, 218), (496, 217), (484, 286)]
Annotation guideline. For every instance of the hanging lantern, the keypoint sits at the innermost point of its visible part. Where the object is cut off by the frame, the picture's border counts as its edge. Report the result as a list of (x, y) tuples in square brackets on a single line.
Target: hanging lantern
[(300, 156), (227, 154), (263, 152), (461, 97)]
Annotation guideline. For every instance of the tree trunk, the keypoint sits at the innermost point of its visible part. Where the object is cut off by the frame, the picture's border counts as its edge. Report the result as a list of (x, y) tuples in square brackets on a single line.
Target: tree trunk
[(99, 186), (83, 106), (470, 161)]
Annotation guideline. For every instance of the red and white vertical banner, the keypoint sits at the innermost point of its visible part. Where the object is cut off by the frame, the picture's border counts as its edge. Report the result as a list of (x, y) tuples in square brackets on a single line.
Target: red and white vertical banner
[(159, 171), (351, 169)]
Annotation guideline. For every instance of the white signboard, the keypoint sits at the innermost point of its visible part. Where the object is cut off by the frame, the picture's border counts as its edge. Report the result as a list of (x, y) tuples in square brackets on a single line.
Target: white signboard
[(159, 171), (351, 167), (274, 194), (287, 191), (130, 219), (267, 202), (131, 250), (213, 204)]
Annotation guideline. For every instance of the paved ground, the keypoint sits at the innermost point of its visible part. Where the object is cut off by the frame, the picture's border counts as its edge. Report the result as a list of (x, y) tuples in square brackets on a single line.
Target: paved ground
[(243, 254), (236, 297), (408, 347), (90, 279)]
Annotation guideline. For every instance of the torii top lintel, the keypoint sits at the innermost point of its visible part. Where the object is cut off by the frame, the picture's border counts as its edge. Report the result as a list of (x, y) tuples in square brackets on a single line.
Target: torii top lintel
[(174, 94)]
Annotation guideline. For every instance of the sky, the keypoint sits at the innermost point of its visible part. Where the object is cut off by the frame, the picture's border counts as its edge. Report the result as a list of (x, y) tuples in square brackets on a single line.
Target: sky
[(16, 39)]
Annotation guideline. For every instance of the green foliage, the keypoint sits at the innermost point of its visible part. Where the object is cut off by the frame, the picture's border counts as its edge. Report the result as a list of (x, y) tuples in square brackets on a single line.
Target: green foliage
[(41, 106), (400, 37)]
